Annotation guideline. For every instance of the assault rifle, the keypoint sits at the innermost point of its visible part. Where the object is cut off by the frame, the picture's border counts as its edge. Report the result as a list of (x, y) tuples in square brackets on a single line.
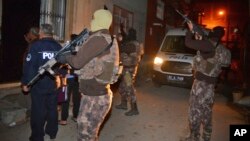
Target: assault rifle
[(68, 48), (196, 28)]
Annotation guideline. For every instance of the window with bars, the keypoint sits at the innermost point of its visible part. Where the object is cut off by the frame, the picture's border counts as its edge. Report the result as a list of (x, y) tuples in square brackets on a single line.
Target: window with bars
[(53, 12)]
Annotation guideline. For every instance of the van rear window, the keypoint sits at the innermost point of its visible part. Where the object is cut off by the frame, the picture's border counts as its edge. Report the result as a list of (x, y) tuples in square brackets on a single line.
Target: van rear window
[(176, 44)]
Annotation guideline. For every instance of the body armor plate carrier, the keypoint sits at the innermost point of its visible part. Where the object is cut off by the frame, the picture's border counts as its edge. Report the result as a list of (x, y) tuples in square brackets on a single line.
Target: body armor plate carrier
[(212, 66)]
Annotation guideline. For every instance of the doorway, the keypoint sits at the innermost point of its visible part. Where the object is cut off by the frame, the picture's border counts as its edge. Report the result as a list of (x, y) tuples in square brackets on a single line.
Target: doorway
[(17, 17)]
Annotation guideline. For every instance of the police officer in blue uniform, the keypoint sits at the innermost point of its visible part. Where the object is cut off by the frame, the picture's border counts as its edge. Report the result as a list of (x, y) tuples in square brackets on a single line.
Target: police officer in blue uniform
[(44, 118)]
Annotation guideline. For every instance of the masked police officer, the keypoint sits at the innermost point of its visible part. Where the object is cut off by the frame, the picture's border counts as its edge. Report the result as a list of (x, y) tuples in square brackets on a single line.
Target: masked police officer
[(211, 56), (130, 58), (43, 92), (97, 62)]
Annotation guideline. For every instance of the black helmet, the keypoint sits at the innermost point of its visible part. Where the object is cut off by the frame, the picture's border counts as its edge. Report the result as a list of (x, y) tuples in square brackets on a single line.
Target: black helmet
[(131, 34), (217, 32)]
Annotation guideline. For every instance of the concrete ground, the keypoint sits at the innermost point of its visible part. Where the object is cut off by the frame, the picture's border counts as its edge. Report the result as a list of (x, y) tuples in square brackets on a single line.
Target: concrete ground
[(163, 117)]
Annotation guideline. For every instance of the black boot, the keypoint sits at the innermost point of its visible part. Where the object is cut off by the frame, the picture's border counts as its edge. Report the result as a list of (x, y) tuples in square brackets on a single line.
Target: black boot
[(133, 111), (123, 104)]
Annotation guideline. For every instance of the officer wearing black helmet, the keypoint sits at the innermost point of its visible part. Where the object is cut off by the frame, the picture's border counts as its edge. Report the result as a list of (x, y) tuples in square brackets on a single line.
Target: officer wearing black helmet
[(130, 56), (211, 56), (43, 118)]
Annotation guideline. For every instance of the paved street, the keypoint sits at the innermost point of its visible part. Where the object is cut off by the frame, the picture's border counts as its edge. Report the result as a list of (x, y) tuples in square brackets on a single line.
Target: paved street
[(163, 117)]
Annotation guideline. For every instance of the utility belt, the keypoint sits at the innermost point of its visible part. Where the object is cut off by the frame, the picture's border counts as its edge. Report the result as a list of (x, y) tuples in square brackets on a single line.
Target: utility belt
[(202, 77), (129, 67), (100, 93), (92, 88)]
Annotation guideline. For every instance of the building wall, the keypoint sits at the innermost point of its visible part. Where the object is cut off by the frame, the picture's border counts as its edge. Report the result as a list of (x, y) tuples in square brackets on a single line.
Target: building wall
[(79, 14), (139, 10), (156, 27)]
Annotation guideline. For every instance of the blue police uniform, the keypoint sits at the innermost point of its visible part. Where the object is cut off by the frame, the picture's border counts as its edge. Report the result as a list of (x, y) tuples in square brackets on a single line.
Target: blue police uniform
[(43, 91)]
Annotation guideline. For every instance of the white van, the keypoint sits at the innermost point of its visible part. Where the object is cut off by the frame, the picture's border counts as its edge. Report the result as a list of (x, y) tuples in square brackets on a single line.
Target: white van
[(173, 61)]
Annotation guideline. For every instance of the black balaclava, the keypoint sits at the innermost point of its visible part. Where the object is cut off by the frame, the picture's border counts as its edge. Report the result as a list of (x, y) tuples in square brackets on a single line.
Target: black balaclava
[(131, 35), (217, 33)]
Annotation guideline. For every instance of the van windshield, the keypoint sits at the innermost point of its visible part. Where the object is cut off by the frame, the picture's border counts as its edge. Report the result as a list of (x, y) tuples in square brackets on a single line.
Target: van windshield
[(176, 44)]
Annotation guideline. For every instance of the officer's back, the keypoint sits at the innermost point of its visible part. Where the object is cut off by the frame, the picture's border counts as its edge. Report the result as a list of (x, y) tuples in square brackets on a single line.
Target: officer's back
[(40, 52), (43, 119)]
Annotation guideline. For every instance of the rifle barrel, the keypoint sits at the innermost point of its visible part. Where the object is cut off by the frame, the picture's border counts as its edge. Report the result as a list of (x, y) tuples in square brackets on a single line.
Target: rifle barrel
[(81, 38)]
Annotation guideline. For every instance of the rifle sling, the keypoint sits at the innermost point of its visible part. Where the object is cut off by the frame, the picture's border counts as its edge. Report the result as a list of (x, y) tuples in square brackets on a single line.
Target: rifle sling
[(106, 48)]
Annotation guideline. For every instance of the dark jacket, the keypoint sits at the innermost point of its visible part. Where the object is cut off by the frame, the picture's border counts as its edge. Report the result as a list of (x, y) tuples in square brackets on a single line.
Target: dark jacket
[(39, 53), (207, 50), (86, 53)]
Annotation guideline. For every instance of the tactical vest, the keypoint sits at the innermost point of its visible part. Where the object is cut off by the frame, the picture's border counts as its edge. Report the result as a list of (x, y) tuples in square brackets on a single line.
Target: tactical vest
[(212, 66), (131, 58), (104, 68)]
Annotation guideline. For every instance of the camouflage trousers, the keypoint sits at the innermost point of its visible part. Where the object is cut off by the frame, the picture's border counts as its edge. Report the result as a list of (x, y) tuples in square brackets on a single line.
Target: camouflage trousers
[(92, 112), (200, 109), (126, 86)]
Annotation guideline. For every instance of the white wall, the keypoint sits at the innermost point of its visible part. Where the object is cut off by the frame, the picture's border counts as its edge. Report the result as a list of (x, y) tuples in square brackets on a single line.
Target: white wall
[(139, 8), (80, 14)]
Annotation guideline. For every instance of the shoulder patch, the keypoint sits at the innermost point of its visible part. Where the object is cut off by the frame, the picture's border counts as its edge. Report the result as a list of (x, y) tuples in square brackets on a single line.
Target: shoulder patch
[(28, 58)]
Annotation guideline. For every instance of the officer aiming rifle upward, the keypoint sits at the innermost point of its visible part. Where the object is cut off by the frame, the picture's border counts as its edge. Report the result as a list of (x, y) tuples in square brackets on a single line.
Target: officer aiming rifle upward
[(196, 28), (68, 48)]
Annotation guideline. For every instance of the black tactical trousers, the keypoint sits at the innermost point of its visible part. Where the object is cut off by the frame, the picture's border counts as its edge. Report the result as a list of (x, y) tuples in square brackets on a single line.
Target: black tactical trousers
[(44, 116)]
